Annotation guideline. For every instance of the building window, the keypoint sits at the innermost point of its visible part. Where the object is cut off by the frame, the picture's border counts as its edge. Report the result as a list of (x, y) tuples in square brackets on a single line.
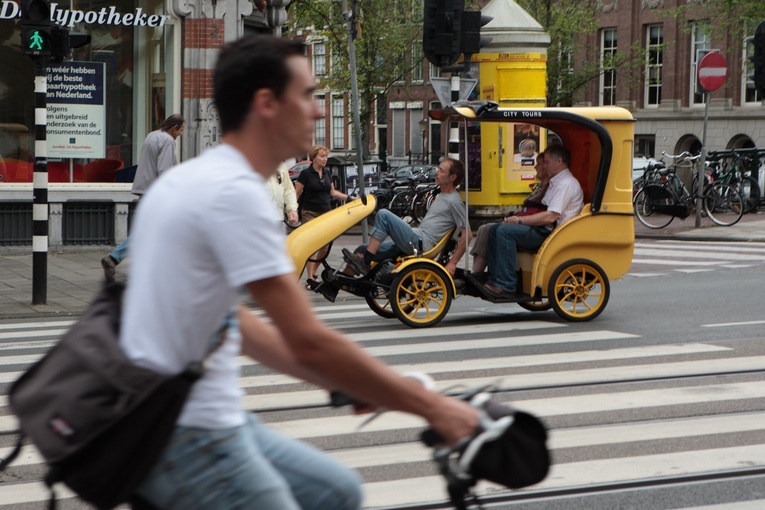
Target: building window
[(700, 45), (607, 62), (434, 71), (320, 133), (415, 133), (749, 92), (417, 61), (399, 133), (319, 59), (645, 145), (654, 61), (338, 124), (566, 66)]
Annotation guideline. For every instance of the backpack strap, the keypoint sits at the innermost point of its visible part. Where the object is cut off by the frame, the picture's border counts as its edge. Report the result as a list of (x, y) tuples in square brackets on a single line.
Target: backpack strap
[(15, 453), (52, 477)]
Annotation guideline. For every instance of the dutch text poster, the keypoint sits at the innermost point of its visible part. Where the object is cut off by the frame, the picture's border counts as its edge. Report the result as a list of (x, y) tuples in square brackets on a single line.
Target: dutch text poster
[(76, 110)]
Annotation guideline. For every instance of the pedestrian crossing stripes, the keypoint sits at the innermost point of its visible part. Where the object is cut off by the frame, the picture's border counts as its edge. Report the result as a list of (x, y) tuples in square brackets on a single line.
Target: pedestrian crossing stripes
[(601, 432), (658, 258)]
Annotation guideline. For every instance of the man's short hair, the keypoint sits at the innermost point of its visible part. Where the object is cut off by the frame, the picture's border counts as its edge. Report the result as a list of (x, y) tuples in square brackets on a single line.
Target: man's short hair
[(558, 151), (246, 66), (173, 121), (456, 168)]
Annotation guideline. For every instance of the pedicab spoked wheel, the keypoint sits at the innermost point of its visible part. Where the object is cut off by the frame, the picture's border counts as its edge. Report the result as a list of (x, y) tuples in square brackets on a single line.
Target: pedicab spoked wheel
[(421, 294), (537, 305), (378, 301), (578, 290)]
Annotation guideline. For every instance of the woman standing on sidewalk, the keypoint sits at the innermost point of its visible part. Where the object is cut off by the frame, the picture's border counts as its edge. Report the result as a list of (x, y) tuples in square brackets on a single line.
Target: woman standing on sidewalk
[(315, 190)]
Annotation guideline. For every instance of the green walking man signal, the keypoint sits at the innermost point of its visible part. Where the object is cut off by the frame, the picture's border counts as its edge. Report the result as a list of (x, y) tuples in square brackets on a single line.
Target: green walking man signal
[(35, 27)]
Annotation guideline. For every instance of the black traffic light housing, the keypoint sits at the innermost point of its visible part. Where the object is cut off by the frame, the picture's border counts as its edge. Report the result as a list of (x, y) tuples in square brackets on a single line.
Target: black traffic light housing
[(441, 31), (758, 58), (470, 32), (62, 41), (35, 28)]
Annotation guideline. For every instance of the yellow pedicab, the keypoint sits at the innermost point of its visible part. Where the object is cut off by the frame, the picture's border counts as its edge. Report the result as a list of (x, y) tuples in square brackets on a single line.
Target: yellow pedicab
[(571, 271)]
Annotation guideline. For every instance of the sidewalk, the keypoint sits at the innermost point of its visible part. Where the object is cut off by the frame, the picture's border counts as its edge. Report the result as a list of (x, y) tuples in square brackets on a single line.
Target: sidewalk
[(74, 277)]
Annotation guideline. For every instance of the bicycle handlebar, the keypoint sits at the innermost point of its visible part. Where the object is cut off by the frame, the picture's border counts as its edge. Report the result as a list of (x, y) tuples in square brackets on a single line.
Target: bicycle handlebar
[(682, 155)]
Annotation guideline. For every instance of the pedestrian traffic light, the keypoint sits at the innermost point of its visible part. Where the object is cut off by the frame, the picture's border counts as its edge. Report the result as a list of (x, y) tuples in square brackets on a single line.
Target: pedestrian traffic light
[(758, 58), (441, 31), (35, 27), (470, 32)]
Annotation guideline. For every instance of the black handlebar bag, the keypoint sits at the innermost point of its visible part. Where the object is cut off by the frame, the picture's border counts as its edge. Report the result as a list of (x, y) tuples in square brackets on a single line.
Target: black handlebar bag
[(99, 421)]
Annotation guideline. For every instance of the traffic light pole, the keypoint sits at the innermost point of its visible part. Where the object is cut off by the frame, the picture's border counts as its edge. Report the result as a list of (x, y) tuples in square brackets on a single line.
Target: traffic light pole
[(351, 19), (40, 187)]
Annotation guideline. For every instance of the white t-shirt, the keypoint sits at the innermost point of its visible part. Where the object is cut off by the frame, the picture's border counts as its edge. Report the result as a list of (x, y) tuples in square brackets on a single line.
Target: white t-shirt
[(204, 229)]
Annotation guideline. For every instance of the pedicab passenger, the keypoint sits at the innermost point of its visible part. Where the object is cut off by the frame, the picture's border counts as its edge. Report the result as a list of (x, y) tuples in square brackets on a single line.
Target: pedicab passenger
[(564, 200), (446, 213), (531, 205)]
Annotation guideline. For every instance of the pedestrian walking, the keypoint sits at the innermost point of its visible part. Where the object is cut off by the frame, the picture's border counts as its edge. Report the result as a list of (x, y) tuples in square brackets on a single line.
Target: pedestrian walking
[(157, 155), (201, 235), (282, 193)]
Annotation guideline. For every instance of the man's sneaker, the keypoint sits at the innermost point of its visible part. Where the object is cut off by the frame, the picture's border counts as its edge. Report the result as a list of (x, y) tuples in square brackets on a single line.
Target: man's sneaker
[(357, 263), (110, 267)]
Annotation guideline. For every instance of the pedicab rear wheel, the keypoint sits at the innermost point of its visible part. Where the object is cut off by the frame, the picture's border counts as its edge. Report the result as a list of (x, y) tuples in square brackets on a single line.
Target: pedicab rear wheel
[(379, 302), (578, 290), (421, 294)]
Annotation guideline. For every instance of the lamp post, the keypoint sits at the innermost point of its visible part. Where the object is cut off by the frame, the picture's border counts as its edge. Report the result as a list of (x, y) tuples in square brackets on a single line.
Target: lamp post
[(423, 129)]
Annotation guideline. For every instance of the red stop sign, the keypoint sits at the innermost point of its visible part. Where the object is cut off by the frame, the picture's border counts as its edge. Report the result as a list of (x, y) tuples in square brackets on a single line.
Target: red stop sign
[(713, 70)]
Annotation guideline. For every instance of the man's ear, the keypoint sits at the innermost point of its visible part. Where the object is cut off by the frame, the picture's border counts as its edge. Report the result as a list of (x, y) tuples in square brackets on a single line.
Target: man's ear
[(264, 103)]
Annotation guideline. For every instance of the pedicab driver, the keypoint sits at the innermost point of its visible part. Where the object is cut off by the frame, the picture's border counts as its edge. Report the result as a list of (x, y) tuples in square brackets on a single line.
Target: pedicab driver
[(446, 213), (203, 212), (564, 200)]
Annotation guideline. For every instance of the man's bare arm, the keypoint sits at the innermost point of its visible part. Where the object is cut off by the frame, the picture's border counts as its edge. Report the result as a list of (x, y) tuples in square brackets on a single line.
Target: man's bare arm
[(334, 361)]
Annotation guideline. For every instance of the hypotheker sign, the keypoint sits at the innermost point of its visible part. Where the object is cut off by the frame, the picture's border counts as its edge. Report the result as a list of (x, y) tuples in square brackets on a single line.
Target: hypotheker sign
[(103, 16)]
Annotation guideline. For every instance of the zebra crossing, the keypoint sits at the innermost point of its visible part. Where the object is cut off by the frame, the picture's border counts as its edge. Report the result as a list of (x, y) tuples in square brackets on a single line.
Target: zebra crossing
[(605, 427), (664, 257)]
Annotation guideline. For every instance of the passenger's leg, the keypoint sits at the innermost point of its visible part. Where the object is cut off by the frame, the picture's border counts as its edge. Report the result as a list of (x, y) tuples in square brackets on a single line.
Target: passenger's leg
[(480, 248), (501, 256)]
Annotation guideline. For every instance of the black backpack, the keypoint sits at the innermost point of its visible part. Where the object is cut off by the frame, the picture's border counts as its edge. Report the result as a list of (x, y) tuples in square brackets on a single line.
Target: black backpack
[(99, 421)]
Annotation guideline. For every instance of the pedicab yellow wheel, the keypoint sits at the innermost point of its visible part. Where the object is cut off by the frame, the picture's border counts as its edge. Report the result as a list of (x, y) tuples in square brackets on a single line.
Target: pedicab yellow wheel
[(421, 294), (538, 305), (578, 290), (378, 301)]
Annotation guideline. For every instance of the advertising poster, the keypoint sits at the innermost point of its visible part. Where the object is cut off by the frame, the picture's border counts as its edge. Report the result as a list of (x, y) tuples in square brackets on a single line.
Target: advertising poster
[(76, 110)]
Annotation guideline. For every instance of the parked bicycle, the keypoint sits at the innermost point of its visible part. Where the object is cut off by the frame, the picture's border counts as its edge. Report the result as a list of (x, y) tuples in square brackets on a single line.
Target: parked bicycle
[(731, 168), (422, 200), (666, 197)]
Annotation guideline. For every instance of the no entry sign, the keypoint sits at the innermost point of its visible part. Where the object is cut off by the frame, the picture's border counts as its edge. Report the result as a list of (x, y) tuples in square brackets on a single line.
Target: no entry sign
[(713, 70)]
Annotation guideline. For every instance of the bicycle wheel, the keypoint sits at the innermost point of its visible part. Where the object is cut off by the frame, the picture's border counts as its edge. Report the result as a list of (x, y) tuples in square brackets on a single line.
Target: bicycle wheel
[(750, 193), (647, 210), (400, 207), (723, 204), (420, 206)]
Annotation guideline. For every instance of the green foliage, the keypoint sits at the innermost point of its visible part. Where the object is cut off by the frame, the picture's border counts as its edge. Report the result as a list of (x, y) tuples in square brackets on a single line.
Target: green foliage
[(389, 31)]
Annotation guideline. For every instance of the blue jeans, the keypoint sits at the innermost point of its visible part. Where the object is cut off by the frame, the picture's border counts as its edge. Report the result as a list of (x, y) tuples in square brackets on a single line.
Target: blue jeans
[(388, 224), (119, 253), (247, 467), (504, 240)]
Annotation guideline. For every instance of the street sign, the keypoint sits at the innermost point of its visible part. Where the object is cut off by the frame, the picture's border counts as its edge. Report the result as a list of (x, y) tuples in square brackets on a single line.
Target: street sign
[(443, 89), (713, 70)]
